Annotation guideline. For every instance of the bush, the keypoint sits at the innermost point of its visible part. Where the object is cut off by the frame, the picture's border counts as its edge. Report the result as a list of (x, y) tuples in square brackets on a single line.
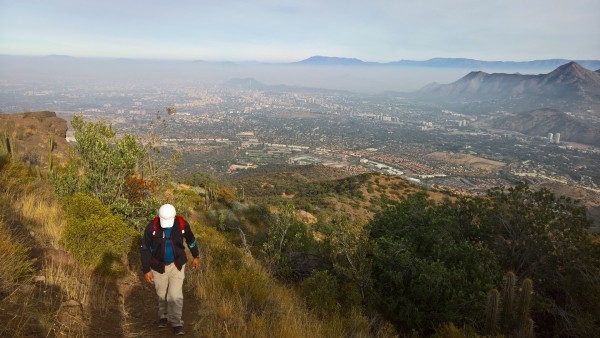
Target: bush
[(320, 292), (425, 270), (93, 235), (186, 201)]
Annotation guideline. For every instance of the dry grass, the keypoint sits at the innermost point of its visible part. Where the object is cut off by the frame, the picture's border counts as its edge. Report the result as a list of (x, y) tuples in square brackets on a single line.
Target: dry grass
[(239, 298), (72, 280), (41, 209), (31, 216), (15, 262)]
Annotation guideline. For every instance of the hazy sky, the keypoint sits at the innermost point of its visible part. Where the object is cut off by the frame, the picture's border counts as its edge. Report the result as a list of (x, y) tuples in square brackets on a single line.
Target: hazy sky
[(284, 30)]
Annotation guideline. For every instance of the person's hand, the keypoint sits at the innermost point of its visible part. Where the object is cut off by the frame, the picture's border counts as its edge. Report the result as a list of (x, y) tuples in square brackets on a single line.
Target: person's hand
[(196, 263), (149, 278)]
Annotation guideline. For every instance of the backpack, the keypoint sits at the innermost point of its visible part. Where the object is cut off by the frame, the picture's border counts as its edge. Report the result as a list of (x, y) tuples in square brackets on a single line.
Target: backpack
[(157, 219)]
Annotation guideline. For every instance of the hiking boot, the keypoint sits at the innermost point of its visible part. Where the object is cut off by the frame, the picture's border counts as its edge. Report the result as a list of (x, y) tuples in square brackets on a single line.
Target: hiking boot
[(178, 330), (163, 322)]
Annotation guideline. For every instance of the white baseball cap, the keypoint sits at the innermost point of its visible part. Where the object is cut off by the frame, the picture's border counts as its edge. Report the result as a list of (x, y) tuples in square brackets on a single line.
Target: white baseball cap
[(166, 213)]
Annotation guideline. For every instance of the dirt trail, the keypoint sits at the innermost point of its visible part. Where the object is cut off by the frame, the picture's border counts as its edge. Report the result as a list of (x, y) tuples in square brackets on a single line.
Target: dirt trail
[(140, 310)]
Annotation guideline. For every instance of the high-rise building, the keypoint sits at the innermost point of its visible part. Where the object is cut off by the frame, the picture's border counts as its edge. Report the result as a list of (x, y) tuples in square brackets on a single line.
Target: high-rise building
[(550, 137), (557, 138)]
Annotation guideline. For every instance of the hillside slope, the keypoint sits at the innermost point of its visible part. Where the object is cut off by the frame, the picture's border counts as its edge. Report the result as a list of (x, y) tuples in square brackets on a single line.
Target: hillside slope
[(540, 122)]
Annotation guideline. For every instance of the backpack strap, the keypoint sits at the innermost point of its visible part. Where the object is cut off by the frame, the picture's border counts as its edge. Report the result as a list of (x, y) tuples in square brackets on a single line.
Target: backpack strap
[(155, 227), (181, 224)]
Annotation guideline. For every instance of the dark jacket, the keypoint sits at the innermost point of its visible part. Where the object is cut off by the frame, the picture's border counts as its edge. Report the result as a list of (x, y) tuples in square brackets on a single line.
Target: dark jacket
[(153, 246)]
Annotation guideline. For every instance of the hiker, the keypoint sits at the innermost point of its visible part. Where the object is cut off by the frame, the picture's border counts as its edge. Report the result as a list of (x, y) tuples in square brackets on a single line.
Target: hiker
[(163, 263)]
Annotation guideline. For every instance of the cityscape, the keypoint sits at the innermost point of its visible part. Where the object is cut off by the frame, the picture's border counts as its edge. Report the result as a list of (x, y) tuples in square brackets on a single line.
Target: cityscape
[(242, 124)]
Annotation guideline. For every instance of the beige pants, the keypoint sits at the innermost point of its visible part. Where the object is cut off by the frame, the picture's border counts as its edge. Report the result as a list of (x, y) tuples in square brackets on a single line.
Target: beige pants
[(169, 288)]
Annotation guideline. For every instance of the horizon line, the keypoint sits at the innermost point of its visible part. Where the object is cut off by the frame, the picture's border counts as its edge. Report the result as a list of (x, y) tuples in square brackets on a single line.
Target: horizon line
[(115, 58)]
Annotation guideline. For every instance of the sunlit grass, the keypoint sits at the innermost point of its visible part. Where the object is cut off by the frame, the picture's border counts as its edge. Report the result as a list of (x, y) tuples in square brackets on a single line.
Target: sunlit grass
[(239, 298), (41, 209)]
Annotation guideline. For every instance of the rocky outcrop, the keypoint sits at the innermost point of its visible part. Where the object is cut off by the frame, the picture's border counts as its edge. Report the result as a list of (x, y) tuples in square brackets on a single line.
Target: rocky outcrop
[(31, 133)]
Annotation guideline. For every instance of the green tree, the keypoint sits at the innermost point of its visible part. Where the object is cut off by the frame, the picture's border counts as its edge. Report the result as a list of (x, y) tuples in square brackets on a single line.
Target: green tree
[(290, 250), (279, 237), (426, 272), (107, 160), (539, 235), (350, 252)]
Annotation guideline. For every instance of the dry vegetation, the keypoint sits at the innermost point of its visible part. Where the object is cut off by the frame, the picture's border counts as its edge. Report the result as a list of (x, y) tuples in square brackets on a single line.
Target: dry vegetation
[(47, 293), (239, 298)]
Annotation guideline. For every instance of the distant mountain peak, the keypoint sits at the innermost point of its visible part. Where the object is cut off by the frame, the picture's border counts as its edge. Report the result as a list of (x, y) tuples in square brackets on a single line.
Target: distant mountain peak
[(475, 74), (573, 72), (245, 83), (331, 60), (572, 67)]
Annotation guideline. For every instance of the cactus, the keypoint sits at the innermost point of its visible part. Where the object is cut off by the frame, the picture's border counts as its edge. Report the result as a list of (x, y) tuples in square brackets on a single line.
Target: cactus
[(50, 159), (211, 194), (528, 329), (508, 296), (513, 322), (491, 323), (522, 318)]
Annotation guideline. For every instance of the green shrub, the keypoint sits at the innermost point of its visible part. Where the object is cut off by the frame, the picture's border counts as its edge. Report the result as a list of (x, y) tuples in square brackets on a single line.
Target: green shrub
[(94, 236), (187, 201), (254, 287), (320, 291), (257, 214)]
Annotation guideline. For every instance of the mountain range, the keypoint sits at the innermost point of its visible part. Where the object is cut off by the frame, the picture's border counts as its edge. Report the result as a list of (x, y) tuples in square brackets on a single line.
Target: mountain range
[(319, 60), (448, 63), (568, 85)]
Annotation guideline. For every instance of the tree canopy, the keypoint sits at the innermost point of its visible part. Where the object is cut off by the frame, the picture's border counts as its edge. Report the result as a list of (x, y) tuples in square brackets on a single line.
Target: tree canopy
[(434, 262)]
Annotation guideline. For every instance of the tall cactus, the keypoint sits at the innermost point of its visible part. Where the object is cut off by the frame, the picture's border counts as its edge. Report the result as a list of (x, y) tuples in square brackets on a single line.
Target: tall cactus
[(493, 305), (522, 316), (211, 194), (528, 329), (50, 159), (508, 296), (514, 323)]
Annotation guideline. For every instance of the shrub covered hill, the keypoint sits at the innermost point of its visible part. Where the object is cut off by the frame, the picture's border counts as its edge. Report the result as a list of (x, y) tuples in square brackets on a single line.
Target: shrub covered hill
[(292, 252)]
